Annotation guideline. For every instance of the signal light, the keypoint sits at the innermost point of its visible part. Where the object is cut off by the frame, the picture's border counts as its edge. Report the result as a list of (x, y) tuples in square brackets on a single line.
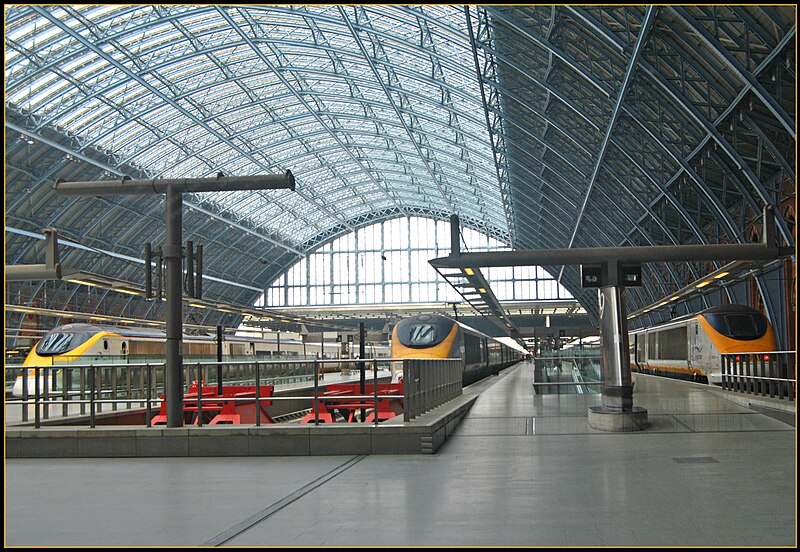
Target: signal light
[(736, 358), (766, 357)]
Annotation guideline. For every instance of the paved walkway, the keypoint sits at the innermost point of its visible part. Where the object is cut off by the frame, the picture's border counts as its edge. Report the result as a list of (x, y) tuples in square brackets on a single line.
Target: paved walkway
[(521, 469)]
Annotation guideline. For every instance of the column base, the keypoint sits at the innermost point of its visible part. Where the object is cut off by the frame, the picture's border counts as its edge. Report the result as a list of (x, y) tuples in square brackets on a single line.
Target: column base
[(603, 419)]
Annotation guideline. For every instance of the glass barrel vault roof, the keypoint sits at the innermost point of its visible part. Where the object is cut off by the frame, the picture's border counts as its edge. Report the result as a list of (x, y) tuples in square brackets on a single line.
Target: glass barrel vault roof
[(372, 108), (541, 126)]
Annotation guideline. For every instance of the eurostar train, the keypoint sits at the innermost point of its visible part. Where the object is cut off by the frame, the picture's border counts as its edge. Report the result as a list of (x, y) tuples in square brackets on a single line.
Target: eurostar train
[(437, 336), (98, 343), (689, 347)]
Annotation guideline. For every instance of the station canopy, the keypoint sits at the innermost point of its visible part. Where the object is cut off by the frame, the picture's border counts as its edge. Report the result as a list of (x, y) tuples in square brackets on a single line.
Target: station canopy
[(540, 126)]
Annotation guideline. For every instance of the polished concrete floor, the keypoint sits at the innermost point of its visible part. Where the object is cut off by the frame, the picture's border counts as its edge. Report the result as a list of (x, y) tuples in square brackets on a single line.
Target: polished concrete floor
[(521, 469)]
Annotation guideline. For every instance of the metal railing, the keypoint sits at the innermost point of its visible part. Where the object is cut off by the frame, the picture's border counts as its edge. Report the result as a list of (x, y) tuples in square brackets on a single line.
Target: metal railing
[(428, 383), (74, 389), (769, 374)]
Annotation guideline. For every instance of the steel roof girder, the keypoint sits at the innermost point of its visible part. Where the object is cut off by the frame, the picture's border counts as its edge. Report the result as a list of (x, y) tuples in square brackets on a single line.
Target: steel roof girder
[(67, 30), (546, 44), (632, 66), (770, 146), (289, 86), (733, 64)]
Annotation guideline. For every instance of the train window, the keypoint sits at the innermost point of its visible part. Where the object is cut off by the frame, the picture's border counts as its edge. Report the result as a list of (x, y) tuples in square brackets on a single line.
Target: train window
[(672, 344), (105, 344), (60, 342), (743, 326), (740, 325), (472, 349), (422, 334)]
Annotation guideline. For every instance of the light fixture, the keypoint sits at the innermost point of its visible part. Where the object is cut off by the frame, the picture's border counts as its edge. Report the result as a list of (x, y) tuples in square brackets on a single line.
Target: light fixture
[(721, 275), (469, 272), (126, 290), (481, 290), (703, 284), (82, 282)]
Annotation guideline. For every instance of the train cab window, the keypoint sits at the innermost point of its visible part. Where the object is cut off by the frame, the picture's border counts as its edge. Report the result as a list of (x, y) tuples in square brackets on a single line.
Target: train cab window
[(422, 334), (745, 326), (60, 342), (105, 344)]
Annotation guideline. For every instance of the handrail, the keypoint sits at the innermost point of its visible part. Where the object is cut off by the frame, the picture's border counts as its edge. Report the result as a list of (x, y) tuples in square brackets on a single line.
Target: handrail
[(770, 373), (111, 388)]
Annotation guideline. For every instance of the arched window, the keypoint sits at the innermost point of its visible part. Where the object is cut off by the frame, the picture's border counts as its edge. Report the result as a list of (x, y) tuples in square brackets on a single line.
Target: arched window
[(387, 262)]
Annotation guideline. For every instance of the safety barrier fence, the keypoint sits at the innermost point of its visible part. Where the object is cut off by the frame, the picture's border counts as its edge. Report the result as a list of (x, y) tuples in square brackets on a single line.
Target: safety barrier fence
[(428, 383), (769, 374), (78, 389), (562, 373)]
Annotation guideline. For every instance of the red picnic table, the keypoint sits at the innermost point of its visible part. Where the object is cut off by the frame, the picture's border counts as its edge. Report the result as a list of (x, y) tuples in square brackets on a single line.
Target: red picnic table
[(220, 409), (347, 399)]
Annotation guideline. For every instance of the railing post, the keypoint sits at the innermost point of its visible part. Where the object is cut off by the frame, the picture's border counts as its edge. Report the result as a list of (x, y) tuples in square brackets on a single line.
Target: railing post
[(771, 372), (408, 391), (199, 395), (258, 396), (316, 392), (83, 389), (92, 377), (148, 394), (46, 393), (37, 420), (724, 371), (65, 395), (114, 388), (25, 394), (375, 391), (737, 370)]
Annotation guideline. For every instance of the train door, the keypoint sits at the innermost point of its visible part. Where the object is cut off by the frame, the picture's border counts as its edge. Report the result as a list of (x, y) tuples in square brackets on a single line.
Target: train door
[(695, 346)]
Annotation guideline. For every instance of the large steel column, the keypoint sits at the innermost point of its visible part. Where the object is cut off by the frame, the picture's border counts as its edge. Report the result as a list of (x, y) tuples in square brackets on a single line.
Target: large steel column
[(617, 391), (173, 259)]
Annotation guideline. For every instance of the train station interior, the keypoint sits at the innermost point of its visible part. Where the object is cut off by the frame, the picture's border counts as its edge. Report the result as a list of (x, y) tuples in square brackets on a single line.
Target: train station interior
[(400, 275)]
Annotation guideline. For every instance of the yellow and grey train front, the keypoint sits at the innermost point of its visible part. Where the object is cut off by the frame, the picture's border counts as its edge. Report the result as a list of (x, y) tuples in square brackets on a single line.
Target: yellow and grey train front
[(65, 344), (691, 348), (424, 336), (732, 329)]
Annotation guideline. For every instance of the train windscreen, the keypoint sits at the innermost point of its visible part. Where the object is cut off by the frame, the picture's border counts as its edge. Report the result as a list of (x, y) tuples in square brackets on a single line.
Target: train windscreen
[(745, 326), (60, 342), (423, 331), (422, 334)]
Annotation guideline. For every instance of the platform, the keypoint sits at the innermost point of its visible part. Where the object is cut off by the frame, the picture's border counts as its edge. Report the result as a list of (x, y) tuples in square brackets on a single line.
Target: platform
[(520, 469)]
